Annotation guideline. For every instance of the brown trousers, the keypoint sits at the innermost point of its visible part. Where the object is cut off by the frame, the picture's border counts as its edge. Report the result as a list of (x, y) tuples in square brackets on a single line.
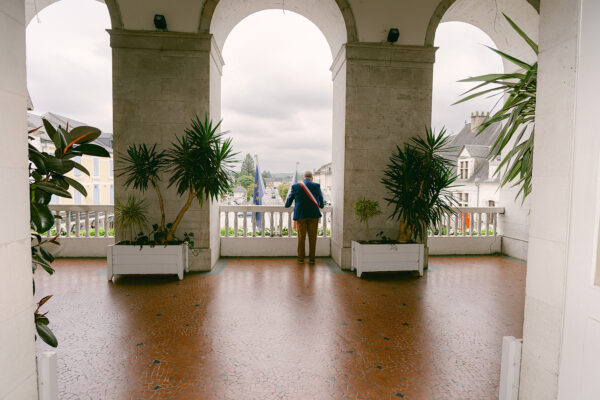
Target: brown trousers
[(307, 225)]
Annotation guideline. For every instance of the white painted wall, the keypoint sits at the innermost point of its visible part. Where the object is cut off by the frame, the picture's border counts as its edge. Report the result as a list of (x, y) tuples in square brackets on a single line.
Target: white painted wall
[(461, 245), (270, 247), (17, 351), (551, 200), (580, 349)]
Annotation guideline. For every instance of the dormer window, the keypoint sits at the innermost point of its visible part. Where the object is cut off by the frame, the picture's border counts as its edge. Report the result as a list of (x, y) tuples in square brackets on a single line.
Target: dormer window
[(464, 170)]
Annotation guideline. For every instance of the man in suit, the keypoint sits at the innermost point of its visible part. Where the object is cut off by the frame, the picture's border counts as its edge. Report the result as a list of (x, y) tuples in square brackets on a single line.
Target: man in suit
[(308, 200)]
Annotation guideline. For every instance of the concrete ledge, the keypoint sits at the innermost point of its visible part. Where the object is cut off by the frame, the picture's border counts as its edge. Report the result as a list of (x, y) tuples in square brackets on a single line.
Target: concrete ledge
[(390, 54), (155, 40), (464, 245), (516, 248), (269, 247), (81, 247)]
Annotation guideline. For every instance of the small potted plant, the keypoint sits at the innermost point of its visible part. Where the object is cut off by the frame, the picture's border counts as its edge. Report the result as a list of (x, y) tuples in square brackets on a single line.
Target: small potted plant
[(417, 180), (366, 209), (198, 166)]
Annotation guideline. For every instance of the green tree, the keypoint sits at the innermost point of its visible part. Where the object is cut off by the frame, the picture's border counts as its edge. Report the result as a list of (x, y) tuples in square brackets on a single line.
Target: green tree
[(283, 190), (266, 174), (366, 209), (250, 191), (247, 166), (417, 179), (245, 181)]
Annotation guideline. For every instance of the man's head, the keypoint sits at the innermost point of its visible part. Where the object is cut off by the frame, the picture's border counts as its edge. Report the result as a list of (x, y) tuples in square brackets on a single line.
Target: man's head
[(308, 175)]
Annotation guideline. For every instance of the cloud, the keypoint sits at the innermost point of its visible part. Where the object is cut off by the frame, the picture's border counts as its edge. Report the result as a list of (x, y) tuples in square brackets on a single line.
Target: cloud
[(462, 53), (69, 61), (277, 90)]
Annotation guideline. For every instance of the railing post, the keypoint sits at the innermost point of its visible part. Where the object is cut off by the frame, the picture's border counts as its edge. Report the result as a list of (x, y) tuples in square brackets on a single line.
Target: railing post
[(87, 224), (105, 223), (68, 223), (495, 224), (226, 223), (280, 223), (97, 223), (78, 223), (235, 224)]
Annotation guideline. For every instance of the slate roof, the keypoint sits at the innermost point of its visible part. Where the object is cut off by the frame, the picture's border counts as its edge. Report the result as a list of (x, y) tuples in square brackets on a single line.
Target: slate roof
[(477, 151), (33, 121), (478, 146), (466, 137)]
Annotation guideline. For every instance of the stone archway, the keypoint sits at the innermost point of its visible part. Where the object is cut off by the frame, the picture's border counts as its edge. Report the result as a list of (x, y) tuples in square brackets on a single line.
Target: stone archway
[(33, 8), (304, 8), (336, 22), (443, 8)]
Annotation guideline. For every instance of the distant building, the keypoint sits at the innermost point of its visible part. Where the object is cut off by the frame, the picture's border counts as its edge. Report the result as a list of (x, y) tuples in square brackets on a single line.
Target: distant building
[(239, 194), (324, 177), (100, 184), (477, 186), (274, 182)]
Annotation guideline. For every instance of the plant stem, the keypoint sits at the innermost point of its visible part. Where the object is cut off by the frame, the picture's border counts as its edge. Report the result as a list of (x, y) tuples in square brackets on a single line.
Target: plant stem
[(162, 206), (367, 222), (183, 210), (404, 233)]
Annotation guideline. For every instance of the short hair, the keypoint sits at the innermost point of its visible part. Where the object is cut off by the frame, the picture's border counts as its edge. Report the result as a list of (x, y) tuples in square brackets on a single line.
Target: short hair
[(308, 174)]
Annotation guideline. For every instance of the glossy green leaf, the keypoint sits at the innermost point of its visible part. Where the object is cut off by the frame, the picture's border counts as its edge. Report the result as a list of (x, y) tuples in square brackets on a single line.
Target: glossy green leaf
[(92, 150), (45, 333)]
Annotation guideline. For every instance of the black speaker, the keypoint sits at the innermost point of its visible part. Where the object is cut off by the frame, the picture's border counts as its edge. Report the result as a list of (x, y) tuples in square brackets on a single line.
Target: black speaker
[(393, 35), (160, 22)]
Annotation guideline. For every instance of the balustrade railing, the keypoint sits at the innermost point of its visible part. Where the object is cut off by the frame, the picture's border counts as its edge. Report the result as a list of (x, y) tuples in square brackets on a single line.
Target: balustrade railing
[(265, 221), (83, 221), (468, 222)]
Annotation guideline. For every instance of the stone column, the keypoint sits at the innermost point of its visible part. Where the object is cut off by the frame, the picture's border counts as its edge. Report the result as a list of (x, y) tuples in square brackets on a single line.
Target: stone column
[(161, 80), (382, 97), (17, 331)]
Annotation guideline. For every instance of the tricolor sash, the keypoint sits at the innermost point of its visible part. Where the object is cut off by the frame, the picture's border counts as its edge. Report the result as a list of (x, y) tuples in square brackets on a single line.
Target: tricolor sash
[(309, 194)]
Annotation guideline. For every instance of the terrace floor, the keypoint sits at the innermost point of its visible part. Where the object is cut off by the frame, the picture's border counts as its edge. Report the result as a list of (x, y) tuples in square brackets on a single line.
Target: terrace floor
[(273, 329)]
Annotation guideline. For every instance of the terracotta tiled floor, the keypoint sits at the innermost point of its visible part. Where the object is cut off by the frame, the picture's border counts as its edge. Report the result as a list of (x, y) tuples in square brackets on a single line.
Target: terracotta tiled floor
[(271, 329)]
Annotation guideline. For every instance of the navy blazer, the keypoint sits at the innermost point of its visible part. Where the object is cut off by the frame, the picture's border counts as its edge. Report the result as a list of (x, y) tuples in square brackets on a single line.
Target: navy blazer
[(304, 206)]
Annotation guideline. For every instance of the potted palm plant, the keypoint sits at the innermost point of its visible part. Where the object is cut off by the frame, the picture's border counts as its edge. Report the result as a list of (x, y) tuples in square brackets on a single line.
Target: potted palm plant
[(417, 180), (198, 164)]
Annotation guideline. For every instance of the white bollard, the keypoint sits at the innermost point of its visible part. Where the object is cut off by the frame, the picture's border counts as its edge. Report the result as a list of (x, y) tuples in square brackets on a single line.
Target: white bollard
[(47, 376), (510, 368)]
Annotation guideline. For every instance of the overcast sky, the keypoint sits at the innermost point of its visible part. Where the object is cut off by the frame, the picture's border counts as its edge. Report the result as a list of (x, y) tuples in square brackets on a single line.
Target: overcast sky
[(276, 87)]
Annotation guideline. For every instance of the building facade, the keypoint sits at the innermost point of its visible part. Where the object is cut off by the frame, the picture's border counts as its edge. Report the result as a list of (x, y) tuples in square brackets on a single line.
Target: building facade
[(477, 184), (100, 183), (324, 177)]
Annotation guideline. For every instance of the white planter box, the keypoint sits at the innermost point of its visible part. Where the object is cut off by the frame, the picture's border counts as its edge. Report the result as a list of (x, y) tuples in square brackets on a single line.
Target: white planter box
[(387, 257), (131, 260)]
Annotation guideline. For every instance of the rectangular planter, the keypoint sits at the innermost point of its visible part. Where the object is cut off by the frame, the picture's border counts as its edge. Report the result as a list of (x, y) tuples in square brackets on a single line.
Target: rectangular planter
[(387, 257), (131, 260)]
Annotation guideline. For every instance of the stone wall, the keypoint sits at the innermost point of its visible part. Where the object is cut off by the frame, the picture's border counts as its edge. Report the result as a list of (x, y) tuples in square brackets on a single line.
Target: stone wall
[(388, 100), (17, 331), (160, 82)]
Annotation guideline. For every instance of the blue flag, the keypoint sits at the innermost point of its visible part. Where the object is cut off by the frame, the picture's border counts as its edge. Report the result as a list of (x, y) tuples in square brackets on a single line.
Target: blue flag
[(258, 195)]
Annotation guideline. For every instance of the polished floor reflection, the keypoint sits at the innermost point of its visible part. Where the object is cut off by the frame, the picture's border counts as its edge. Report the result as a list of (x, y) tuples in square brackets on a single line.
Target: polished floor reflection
[(273, 329)]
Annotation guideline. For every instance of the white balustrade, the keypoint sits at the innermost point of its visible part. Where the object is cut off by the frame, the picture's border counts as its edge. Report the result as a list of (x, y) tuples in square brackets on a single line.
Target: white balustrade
[(265, 221), (468, 222), (82, 220)]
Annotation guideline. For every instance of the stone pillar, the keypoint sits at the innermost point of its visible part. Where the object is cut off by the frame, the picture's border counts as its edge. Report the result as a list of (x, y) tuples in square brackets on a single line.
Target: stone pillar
[(161, 80), (382, 97), (17, 347)]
